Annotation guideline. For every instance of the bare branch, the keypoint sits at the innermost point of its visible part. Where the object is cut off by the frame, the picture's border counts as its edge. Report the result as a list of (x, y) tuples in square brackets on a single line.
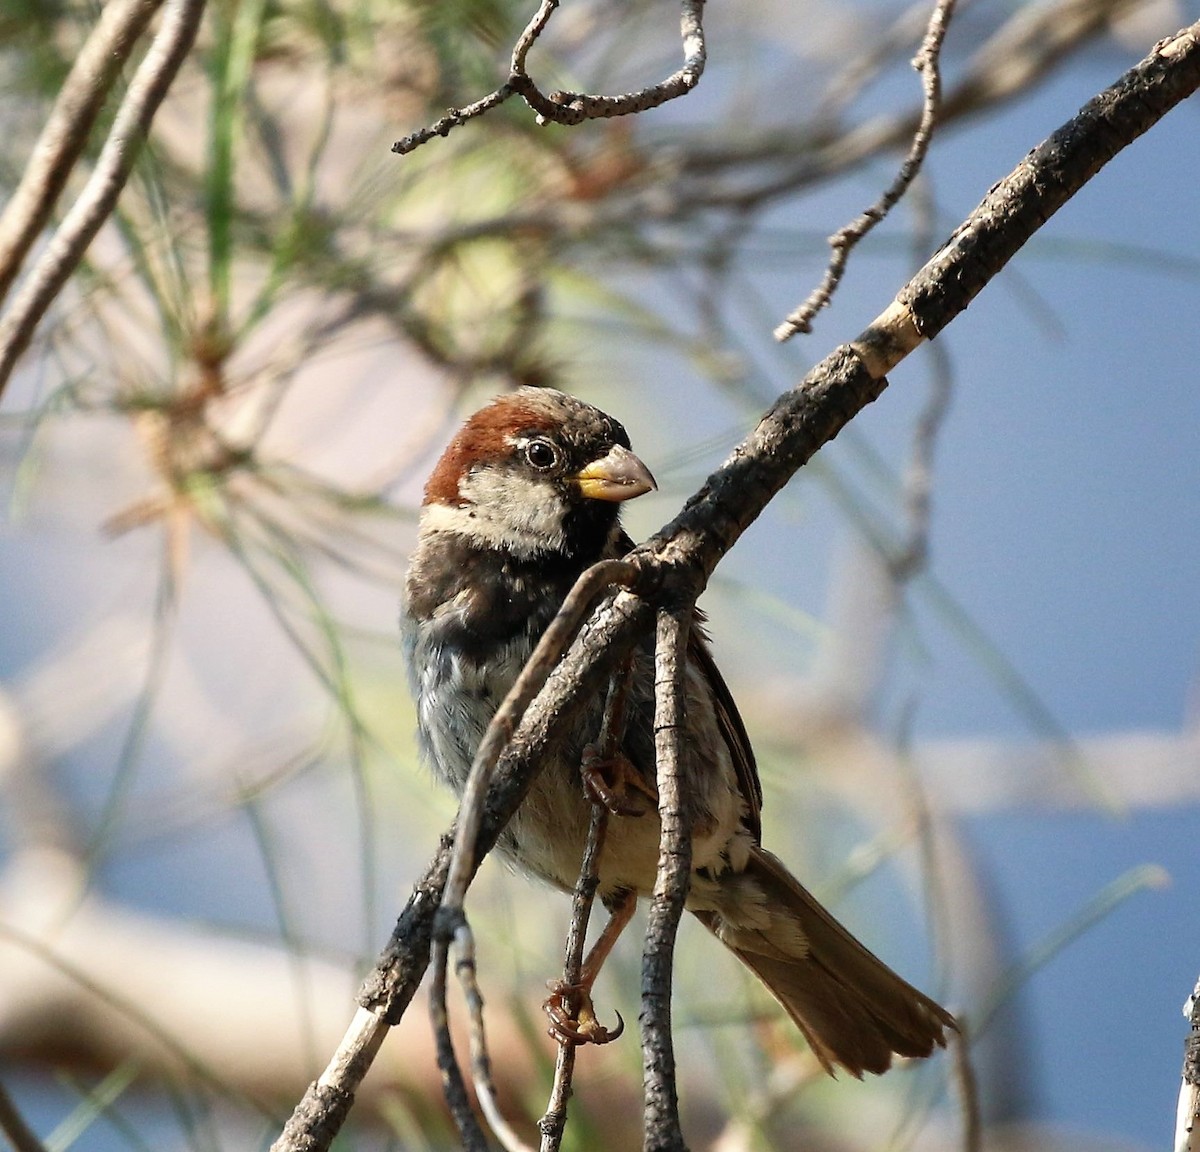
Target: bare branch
[(454, 1087), (913, 554), (454, 118), (843, 242), (612, 727), (575, 107), (1022, 53), (499, 732), (481, 1062), (662, 1132), (387, 993), (554, 1122), (451, 923), (66, 131), (99, 196)]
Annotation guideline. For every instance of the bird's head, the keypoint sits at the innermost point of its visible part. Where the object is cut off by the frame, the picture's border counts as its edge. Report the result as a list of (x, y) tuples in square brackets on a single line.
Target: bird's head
[(535, 472)]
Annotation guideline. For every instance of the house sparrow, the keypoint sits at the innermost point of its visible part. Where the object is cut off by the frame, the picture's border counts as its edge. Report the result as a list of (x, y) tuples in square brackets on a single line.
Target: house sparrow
[(525, 498)]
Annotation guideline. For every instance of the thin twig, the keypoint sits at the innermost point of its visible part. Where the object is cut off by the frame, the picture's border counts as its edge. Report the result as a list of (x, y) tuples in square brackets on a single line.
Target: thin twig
[(454, 118), (99, 196), (499, 732), (66, 130), (1021, 54), (530, 34), (553, 1122), (913, 555), (450, 920), (454, 1087), (843, 241), (575, 107), (481, 1063), (662, 1131)]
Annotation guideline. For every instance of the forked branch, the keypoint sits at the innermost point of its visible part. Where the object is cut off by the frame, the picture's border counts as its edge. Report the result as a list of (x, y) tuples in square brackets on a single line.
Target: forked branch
[(928, 63), (575, 107)]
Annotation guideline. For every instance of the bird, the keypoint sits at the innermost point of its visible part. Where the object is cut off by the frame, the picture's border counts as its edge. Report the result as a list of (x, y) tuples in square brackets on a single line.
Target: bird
[(525, 497)]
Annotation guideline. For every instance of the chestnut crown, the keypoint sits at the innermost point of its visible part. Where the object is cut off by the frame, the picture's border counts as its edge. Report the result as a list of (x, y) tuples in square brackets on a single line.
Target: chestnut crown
[(535, 471)]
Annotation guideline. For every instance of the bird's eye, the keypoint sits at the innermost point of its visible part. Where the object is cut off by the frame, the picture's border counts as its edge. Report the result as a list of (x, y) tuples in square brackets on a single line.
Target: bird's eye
[(541, 454)]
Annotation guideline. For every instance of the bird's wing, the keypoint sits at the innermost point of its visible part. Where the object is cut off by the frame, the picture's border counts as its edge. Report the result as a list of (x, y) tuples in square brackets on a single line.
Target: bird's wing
[(730, 722)]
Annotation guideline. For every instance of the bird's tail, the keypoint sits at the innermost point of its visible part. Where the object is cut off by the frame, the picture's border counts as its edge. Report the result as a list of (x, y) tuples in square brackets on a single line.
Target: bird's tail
[(852, 1008)]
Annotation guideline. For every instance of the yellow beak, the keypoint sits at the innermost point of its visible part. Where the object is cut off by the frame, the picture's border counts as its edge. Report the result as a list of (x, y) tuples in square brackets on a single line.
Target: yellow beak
[(619, 475)]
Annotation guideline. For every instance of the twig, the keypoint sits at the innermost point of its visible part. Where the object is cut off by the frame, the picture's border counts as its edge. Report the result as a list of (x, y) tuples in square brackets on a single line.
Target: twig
[(499, 732), (481, 1063), (678, 559), (13, 1126), (454, 1087), (529, 36), (553, 1122), (454, 118), (1187, 1113), (1022, 53), (843, 242), (450, 921), (913, 555), (575, 107), (99, 196), (662, 1132), (66, 130)]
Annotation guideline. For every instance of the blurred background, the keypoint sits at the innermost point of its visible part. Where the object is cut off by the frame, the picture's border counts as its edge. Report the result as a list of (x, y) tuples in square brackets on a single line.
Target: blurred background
[(965, 639)]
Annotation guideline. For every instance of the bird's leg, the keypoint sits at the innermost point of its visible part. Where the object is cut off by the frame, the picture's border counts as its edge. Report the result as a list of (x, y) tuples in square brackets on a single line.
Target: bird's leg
[(614, 782), (569, 1006)]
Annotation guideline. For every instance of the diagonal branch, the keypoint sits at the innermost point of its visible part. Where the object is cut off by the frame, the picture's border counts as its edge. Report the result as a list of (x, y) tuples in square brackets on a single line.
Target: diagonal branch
[(676, 562), (66, 131), (99, 196)]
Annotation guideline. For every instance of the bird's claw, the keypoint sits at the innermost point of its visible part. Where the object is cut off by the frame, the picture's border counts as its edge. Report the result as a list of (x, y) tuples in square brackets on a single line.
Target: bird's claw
[(573, 1016), (614, 782)]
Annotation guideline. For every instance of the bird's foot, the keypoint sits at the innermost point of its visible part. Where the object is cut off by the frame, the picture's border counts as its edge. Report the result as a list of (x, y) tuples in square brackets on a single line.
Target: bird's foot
[(573, 1016), (614, 782)]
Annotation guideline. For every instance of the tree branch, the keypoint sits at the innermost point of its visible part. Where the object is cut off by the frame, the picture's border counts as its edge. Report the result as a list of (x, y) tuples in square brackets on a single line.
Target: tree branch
[(845, 239), (99, 196), (66, 131), (612, 731), (661, 1111), (575, 107)]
